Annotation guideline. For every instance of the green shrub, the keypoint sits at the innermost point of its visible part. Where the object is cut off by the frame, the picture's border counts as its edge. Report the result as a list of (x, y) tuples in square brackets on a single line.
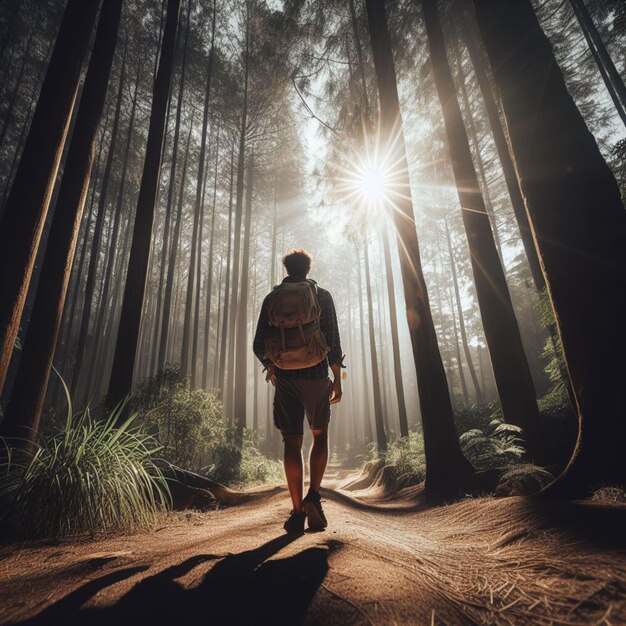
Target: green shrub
[(188, 423), (235, 466), (523, 479), (89, 476), (496, 447), (407, 454)]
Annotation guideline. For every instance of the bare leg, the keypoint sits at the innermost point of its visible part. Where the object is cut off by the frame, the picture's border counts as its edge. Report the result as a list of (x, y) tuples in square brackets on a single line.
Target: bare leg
[(293, 469), (318, 457)]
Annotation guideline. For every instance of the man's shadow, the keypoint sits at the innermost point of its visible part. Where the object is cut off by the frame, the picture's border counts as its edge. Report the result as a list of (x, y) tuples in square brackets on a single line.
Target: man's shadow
[(239, 589)]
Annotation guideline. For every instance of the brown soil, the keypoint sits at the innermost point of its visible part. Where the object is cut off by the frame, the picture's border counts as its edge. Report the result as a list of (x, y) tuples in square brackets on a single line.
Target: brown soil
[(381, 561)]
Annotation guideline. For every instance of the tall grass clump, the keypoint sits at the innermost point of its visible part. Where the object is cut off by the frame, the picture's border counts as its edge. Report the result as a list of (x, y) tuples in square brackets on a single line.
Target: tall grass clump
[(89, 476)]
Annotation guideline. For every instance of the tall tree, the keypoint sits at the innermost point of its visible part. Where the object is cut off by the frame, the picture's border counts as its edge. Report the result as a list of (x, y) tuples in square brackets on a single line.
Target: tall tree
[(395, 339), (134, 290), (502, 148), (29, 389), (241, 362), (27, 204), (579, 224), (193, 259), (90, 286), (446, 468), (381, 438), (513, 378)]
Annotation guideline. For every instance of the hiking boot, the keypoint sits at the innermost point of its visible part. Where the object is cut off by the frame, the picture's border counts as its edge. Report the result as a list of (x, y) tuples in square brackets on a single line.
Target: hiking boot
[(295, 523), (312, 506)]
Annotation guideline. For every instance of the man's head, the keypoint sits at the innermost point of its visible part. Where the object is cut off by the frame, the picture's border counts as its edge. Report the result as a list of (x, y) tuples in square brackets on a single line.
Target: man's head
[(297, 262)]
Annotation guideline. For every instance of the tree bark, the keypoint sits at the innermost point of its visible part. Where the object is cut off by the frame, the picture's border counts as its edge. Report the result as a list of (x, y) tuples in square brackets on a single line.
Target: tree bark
[(187, 338), (29, 390), (227, 281), (513, 378), (27, 204), (209, 299), (241, 361), (126, 348), (502, 148), (238, 220), (447, 468), (457, 296), (381, 438), (395, 340), (97, 238), (579, 224)]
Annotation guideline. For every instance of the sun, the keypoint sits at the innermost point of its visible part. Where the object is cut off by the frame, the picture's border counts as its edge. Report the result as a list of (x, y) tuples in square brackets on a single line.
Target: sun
[(373, 183)]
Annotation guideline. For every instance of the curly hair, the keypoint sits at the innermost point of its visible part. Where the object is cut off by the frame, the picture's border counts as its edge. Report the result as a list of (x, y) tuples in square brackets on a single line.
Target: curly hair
[(297, 262)]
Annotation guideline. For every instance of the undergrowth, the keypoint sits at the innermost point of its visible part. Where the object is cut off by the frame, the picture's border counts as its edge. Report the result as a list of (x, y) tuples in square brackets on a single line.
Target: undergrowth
[(88, 476)]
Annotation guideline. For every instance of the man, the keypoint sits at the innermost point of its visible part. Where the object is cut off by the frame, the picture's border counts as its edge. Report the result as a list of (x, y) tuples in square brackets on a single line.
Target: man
[(297, 340)]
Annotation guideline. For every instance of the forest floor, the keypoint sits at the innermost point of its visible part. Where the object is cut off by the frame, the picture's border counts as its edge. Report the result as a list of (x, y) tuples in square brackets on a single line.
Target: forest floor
[(478, 561)]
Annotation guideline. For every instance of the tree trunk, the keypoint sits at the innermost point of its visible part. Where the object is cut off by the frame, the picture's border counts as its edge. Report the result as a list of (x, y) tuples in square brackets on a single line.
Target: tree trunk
[(126, 347), (508, 170), (367, 413), (99, 347), (207, 317), (473, 135), (381, 439), (238, 219), (579, 223), (97, 239), (457, 296), (29, 390), (184, 361), (27, 204), (395, 340), (227, 281), (446, 468), (241, 361), (171, 267), (611, 77), (513, 378), (167, 218)]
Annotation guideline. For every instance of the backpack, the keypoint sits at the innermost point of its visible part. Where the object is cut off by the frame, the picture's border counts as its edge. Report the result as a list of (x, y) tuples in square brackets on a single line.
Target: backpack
[(295, 339)]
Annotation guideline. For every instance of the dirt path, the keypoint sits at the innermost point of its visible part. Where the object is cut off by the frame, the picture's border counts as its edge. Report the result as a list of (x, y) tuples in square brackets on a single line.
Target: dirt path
[(506, 561)]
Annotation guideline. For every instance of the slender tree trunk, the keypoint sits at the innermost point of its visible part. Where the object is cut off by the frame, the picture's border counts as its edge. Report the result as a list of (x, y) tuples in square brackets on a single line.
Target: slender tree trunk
[(367, 413), (457, 296), (611, 77), (473, 135), (446, 467), (508, 170), (381, 438), (579, 223), (218, 324), (395, 340), (513, 378), (99, 346), (207, 317), (238, 220), (241, 361), (97, 238), (196, 223), (29, 390), (171, 267), (134, 290), (227, 281), (167, 219), (27, 204)]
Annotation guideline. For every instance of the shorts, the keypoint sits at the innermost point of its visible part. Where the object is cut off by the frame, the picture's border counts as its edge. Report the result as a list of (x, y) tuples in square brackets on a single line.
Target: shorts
[(293, 398)]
